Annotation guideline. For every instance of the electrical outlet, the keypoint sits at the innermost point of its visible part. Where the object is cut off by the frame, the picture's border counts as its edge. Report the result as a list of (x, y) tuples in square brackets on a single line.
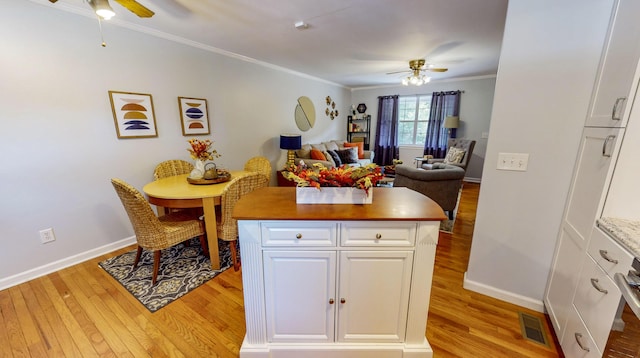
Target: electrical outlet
[(47, 235)]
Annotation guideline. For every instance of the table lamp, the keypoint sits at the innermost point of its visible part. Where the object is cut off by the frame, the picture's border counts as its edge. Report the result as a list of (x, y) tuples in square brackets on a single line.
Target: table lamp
[(451, 122), (290, 142)]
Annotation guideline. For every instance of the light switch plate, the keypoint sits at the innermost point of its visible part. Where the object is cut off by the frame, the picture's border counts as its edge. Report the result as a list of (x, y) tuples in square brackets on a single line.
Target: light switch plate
[(513, 161)]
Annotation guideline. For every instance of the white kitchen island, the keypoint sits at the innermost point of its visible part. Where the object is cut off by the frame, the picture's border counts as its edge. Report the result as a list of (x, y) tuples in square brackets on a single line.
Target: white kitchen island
[(337, 280)]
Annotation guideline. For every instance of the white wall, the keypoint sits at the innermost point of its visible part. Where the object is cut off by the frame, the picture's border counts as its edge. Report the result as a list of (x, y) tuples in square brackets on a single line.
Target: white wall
[(548, 63), (475, 113), (57, 136)]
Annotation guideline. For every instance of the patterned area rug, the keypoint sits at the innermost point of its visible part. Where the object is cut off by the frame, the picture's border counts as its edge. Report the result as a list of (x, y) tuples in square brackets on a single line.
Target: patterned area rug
[(447, 225), (182, 269)]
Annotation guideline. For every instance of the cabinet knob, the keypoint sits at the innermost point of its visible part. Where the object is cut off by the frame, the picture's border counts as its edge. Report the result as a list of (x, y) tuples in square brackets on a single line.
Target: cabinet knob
[(378, 236), (605, 255), (604, 145), (342, 300), (331, 301), (578, 337), (594, 283), (298, 236), (614, 112)]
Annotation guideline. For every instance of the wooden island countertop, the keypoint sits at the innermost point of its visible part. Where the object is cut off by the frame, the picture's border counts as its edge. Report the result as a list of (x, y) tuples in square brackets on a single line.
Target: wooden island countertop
[(395, 204)]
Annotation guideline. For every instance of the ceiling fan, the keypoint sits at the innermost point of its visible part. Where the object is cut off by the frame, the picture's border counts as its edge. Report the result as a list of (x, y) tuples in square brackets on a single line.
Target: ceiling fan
[(416, 77), (104, 10)]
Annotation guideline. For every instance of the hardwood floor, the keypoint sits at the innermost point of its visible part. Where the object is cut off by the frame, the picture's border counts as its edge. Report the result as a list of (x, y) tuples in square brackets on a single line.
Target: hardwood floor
[(82, 312)]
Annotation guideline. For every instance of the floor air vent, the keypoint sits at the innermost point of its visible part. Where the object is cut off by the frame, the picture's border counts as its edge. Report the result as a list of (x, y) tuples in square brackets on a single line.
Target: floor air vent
[(532, 329)]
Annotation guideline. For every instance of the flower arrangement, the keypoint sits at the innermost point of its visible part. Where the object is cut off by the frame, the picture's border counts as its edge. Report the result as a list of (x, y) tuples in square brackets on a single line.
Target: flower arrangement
[(200, 150), (319, 176)]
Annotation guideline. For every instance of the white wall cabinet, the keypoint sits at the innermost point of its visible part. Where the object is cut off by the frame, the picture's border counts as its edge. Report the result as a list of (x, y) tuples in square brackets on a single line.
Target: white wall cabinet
[(563, 281), (592, 173), (616, 79), (594, 165), (336, 289), (581, 298)]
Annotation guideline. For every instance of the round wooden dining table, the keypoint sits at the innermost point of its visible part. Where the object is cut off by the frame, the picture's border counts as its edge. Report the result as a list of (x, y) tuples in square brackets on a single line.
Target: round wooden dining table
[(177, 192)]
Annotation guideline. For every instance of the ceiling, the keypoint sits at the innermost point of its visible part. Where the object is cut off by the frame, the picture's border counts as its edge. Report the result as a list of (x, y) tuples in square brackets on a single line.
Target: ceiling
[(354, 43)]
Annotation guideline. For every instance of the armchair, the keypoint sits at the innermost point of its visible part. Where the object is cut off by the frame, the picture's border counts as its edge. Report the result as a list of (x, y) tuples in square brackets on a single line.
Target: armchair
[(465, 145), (441, 185)]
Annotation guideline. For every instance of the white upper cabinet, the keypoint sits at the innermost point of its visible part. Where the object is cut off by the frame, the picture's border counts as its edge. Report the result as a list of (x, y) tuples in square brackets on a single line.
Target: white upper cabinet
[(617, 79), (593, 170)]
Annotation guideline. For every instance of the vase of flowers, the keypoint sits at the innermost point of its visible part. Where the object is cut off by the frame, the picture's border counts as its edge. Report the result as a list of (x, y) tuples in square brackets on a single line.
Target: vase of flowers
[(339, 185), (201, 151)]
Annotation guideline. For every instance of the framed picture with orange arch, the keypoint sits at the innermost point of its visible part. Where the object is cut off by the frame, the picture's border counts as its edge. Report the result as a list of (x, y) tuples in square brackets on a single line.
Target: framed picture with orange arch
[(133, 114)]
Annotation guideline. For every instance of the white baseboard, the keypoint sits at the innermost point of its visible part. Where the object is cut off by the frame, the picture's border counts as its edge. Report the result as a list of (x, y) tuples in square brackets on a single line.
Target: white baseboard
[(471, 180), (502, 295), (64, 263)]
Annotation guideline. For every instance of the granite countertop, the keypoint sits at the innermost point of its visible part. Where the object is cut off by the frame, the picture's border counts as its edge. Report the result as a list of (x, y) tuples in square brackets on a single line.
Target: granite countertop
[(624, 231)]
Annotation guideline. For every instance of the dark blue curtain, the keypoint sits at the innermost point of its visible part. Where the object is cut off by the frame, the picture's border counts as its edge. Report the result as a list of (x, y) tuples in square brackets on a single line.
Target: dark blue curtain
[(443, 104), (386, 145)]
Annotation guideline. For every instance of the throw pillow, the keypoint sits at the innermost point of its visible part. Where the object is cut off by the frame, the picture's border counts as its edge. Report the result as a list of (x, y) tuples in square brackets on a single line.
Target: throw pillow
[(454, 155), (304, 152), (348, 155), (316, 154), (331, 145), (329, 158), (335, 157), (321, 147), (359, 145)]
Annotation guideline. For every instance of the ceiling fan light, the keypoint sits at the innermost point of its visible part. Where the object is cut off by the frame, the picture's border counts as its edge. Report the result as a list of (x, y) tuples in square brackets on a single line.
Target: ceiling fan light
[(105, 14), (102, 9), (405, 81)]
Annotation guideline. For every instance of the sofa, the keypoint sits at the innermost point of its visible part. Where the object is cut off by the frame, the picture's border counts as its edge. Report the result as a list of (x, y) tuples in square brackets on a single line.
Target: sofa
[(310, 154), (442, 183)]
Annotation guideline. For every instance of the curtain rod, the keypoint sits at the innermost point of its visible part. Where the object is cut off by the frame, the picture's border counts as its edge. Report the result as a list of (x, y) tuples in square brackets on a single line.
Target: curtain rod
[(425, 94), (418, 94)]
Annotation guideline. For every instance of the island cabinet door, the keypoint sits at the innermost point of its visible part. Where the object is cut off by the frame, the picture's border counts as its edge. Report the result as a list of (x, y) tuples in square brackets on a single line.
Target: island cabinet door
[(300, 295), (373, 295)]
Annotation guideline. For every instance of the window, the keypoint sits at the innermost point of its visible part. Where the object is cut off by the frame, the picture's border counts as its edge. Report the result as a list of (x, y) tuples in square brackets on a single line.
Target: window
[(413, 118)]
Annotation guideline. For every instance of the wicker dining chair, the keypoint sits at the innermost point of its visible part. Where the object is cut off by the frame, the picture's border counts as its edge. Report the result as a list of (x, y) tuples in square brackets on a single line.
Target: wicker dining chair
[(169, 168), (172, 167), (227, 226), (259, 164), (156, 233)]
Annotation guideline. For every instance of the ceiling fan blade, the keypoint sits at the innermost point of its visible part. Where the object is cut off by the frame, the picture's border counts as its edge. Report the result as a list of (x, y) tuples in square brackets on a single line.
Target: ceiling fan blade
[(53, 1), (135, 7), (393, 73), (437, 69)]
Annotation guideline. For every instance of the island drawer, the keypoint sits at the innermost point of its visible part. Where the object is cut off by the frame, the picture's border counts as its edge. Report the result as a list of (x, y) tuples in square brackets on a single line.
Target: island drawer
[(387, 233), (299, 233)]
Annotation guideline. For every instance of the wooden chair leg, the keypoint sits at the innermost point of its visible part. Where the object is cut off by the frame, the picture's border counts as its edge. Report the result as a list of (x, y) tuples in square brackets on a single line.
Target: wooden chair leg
[(138, 254), (203, 243), (234, 255), (156, 265)]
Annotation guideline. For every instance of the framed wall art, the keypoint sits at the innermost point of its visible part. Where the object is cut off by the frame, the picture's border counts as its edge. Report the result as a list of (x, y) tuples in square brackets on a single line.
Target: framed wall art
[(194, 116), (133, 114)]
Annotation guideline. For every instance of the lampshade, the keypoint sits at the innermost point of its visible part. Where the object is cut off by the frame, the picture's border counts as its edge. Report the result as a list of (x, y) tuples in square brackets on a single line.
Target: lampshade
[(290, 141), (451, 122)]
